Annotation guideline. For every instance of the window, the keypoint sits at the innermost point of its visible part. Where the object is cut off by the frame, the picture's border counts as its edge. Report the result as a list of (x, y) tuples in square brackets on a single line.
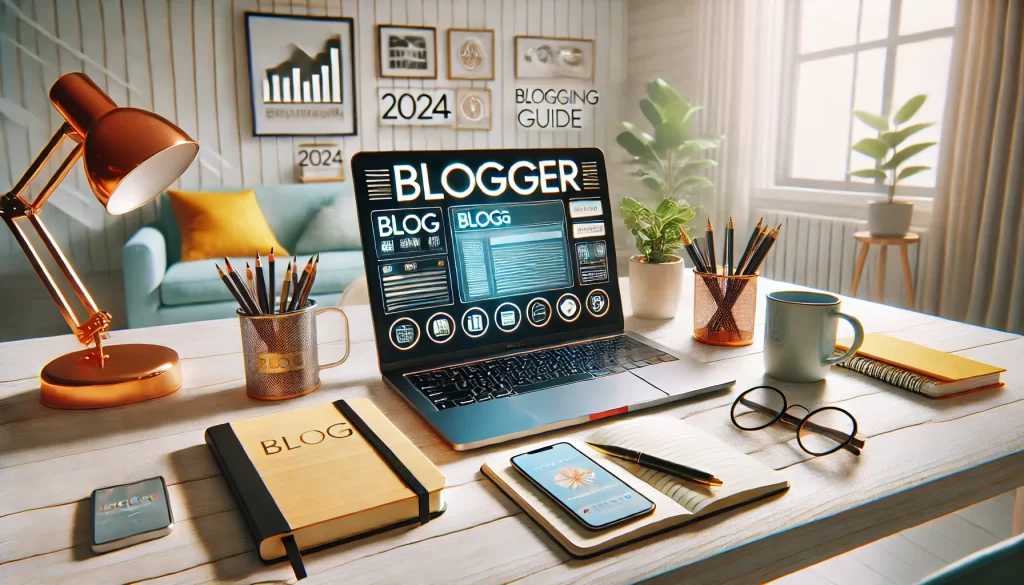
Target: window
[(846, 55)]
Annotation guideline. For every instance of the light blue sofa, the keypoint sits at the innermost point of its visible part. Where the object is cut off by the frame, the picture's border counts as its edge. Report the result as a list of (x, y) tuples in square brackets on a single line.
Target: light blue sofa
[(159, 289)]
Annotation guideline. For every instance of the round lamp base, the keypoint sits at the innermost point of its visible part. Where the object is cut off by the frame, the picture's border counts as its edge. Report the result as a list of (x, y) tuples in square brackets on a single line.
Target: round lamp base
[(131, 373)]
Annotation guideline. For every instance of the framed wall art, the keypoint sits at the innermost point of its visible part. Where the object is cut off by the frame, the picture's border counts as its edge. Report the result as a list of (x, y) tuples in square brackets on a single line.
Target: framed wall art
[(472, 108), (470, 53), (302, 75), (406, 51), (554, 57)]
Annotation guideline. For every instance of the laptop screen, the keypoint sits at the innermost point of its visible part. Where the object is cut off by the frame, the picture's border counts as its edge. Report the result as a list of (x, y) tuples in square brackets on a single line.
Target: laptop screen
[(477, 251)]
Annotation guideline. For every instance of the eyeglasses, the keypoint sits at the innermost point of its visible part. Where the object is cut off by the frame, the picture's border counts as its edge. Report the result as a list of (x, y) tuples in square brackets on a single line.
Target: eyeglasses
[(823, 431)]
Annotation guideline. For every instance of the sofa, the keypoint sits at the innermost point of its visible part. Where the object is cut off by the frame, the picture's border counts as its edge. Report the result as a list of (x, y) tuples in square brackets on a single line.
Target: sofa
[(159, 289)]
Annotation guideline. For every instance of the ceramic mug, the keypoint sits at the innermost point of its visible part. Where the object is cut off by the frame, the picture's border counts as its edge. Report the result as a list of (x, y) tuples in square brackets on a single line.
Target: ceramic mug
[(800, 335)]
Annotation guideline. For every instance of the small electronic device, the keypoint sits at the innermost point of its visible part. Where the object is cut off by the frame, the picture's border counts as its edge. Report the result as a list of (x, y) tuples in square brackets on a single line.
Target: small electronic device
[(583, 488), (123, 515)]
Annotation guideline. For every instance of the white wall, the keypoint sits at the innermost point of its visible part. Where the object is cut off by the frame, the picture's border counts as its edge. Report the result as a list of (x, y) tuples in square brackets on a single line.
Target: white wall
[(187, 61)]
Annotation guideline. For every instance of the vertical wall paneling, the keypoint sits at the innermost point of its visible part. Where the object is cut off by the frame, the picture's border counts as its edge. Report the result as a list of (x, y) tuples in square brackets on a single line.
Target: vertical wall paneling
[(187, 60)]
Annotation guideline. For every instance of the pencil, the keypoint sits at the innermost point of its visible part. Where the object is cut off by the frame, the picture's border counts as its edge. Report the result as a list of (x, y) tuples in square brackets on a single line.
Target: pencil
[(762, 251), (692, 252), (271, 297), (709, 243), (295, 277), (261, 288), (284, 288), (730, 267), (297, 293), (309, 282), (750, 246), (234, 292), (240, 287), (250, 282)]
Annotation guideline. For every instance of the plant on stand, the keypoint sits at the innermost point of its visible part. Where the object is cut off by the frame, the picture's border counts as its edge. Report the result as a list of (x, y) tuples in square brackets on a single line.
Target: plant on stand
[(668, 163), (891, 218)]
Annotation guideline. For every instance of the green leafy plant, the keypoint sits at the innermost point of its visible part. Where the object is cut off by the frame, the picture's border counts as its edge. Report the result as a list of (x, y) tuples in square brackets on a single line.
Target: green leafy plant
[(657, 231), (890, 160), (668, 162)]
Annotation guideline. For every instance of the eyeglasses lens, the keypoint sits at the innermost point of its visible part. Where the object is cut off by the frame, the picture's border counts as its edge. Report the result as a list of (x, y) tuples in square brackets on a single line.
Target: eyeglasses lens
[(757, 408), (825, 430)]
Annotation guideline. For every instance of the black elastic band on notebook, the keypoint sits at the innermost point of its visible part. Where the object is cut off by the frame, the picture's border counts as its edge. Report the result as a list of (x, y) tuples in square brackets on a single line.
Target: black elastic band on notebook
[(396, 464), (294, 556)]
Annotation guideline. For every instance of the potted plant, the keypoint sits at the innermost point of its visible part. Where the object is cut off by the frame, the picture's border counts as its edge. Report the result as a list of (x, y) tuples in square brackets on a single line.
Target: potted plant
[(668, 163), (891, 218)]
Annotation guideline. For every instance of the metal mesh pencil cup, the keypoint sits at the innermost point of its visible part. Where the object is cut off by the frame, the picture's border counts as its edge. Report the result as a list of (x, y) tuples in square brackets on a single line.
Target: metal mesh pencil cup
[(281, 352), (724, 308)]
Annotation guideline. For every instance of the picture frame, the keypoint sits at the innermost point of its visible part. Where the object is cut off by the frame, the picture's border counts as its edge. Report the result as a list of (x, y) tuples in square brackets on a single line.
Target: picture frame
[(473, 108), (471, 54), (406, 52), (554, 57), (302, 76)]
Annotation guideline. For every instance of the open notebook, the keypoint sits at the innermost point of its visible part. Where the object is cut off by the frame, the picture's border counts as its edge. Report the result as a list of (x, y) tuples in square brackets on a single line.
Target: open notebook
[(676, 501)]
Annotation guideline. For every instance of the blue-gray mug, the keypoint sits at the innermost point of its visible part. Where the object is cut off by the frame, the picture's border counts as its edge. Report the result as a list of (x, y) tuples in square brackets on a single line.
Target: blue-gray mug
[(800, 335)]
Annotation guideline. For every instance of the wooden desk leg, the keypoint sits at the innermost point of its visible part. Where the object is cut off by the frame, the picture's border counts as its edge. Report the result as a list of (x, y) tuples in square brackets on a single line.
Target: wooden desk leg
[(881, 272), (904, 252), (1018, 513), (861, 259)]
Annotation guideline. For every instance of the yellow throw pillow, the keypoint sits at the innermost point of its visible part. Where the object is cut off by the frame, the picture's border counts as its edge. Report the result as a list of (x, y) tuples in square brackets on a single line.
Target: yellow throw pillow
[(214, 225)]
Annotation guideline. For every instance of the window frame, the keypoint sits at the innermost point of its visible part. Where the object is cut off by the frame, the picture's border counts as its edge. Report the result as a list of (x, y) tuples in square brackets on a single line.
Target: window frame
[(790, 78)]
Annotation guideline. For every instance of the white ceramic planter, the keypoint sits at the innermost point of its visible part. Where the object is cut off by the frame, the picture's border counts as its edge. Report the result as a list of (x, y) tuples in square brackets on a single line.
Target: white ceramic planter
[(655, 290), (889, 219)]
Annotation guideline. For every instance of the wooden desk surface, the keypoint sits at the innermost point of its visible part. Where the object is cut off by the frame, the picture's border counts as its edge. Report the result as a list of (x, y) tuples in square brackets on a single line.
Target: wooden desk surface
[(923, 459)]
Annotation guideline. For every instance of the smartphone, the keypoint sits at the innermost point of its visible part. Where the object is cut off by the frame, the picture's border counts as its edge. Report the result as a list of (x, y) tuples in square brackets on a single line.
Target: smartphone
[(595, 497), (123, 515)]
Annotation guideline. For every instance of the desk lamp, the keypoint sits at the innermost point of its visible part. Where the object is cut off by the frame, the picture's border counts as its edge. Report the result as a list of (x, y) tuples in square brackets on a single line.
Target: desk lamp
[(131, 156)]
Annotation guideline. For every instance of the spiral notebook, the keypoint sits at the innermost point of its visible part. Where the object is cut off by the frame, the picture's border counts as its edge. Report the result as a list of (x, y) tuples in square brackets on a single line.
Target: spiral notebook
[(677, 502)]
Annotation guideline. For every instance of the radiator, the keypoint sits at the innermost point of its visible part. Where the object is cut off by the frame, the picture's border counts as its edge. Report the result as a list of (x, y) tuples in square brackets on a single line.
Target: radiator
[(820, 252)]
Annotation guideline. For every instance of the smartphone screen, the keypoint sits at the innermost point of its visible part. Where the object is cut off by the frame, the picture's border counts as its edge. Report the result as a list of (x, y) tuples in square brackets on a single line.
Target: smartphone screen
[(594, 496)]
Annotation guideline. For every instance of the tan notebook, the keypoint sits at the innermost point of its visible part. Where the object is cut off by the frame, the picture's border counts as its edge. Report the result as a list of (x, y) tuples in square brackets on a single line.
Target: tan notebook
[(323, 474), (676, 501)]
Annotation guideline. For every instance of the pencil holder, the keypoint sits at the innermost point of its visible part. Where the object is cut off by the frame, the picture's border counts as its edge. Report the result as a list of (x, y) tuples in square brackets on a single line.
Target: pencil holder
[(724, 308), (281, 352)]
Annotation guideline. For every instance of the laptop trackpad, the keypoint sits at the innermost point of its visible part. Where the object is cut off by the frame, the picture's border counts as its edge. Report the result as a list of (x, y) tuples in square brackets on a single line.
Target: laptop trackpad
[(685, 376), (587, 397)]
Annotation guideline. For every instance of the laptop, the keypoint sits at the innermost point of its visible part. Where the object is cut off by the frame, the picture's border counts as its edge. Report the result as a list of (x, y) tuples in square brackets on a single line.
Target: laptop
[(495, 296)]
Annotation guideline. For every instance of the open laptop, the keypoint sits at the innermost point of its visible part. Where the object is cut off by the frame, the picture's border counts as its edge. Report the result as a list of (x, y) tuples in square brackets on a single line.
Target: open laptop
[(494, 293)]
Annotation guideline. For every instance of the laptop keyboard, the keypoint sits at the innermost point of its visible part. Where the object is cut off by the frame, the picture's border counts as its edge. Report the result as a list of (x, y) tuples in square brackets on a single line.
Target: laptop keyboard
[(536, 370)]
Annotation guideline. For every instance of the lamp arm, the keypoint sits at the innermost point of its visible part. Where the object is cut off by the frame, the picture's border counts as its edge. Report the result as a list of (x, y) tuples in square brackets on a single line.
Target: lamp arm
[(14, 208)]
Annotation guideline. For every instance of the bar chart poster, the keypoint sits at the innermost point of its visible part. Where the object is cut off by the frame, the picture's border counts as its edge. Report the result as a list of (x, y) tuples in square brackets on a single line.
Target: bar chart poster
[(302, 75)]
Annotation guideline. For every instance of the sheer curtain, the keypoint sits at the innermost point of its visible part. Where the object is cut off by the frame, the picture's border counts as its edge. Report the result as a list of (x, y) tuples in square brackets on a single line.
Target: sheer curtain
[(739, 75), (975, 263)]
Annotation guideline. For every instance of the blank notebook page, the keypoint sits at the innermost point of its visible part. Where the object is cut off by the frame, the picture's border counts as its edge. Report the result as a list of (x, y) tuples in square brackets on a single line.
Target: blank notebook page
[(744, 478)]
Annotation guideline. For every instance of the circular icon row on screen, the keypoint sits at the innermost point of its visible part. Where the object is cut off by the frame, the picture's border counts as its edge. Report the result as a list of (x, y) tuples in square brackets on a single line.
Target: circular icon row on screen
[(440, 327)]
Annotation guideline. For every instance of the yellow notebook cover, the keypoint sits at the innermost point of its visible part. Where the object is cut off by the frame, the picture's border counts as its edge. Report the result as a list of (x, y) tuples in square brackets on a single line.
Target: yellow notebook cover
[(942, 366)]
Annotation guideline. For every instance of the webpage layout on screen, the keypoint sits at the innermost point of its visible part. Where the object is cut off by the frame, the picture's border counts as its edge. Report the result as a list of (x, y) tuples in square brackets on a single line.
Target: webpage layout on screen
[(482, 250)]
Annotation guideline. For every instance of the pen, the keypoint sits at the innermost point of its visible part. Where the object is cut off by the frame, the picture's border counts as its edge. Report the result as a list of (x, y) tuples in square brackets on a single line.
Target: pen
[(709, 243), (658, 464), (750, 247), (261, 287), (730, 267), (271, 297)]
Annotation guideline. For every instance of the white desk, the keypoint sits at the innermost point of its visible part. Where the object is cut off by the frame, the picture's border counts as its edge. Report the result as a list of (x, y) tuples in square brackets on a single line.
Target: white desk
[(923, 459)]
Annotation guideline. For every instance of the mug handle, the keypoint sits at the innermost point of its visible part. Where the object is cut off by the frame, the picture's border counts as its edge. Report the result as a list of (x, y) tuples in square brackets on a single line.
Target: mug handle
[(348, 341), (858, 340)]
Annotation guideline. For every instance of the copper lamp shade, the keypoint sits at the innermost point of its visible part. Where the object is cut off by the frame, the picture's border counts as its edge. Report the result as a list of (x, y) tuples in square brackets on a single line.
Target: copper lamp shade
[(131, 155)]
